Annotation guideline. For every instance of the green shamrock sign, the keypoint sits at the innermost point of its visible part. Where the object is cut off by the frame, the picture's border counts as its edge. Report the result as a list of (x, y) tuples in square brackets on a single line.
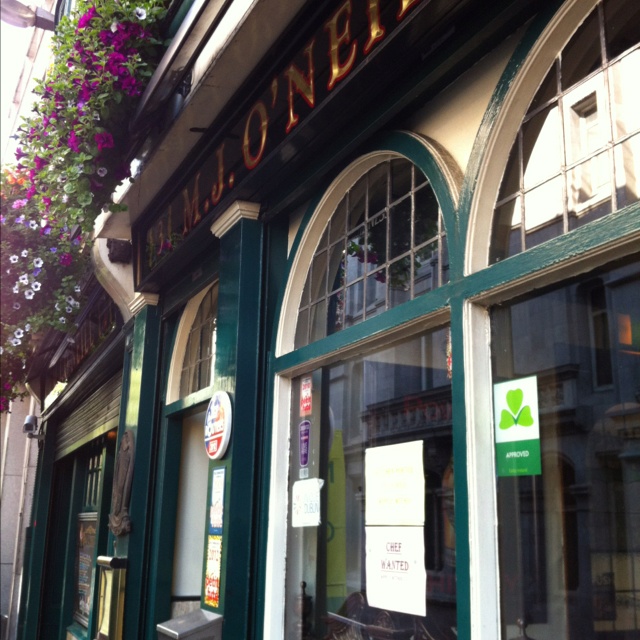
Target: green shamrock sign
[(516, 414), (515, 404)]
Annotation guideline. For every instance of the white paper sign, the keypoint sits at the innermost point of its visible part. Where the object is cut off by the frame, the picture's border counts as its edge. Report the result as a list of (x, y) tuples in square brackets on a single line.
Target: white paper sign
[(305, 499), (396, 575), (394, 480)]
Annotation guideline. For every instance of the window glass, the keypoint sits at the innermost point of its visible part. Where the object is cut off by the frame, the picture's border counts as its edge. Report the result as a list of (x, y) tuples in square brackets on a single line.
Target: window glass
[(199, 354), (387, 245), (575, 158), (371, 537), (567, 485)]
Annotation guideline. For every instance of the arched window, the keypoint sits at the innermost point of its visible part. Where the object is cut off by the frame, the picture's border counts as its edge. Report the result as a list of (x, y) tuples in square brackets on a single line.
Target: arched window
[(198, 357), (385, 243), (194, 351), (576, 157)]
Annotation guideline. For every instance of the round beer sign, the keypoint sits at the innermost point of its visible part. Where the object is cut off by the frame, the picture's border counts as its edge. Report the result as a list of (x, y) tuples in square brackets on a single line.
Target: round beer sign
[(217, 425)]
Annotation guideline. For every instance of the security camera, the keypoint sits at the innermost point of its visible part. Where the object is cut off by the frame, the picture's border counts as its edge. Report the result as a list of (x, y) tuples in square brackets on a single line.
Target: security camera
[(30, 427), (30, 424)]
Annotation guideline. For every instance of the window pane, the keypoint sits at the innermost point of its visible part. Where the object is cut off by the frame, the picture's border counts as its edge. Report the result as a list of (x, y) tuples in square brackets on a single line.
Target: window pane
[(377, 241), (426, 215), (399, 281), (505, 239), (625, 92), (542, 150), (400, 228), (355, 304), (548, 89), (376, 293), (426, 269), (319, 276), (569, 541), (336, 267), (355, 255), (621, 26), (398, 398), (627, 162), (400, 179), (378, 188), (543, 212), (589, 190), (582, 55), (338, 221)]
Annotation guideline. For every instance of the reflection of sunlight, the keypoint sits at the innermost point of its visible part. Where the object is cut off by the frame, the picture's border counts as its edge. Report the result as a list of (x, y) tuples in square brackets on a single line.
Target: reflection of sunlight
[(579, 172)]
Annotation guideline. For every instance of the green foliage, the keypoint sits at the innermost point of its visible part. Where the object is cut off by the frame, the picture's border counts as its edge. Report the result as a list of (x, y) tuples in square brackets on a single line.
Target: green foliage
[(74, 150)]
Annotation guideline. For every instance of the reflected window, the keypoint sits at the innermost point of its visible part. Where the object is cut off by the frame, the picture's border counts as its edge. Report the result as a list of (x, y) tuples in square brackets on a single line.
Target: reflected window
[(197, 365), (371, 537), (569, 541), (385, 244), (576, 157)]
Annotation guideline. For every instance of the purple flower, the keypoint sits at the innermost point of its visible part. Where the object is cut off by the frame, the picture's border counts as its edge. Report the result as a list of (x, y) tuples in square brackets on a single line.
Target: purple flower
[(73, 143), (40, 163), (65, 259), (86, 18), (53, 249), (104, 140)]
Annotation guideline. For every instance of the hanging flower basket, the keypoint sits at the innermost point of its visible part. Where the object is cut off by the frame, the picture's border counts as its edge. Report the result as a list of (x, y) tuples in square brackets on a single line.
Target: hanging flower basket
[(73, 152)]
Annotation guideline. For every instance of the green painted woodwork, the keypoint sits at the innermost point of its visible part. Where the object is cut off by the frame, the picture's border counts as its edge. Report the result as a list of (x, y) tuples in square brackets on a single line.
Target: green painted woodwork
[(139, 417), (29, 621), (163, 531), (236, 372)]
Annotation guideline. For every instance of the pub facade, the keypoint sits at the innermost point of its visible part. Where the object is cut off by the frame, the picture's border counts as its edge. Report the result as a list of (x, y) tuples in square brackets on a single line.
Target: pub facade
[(381, 377)]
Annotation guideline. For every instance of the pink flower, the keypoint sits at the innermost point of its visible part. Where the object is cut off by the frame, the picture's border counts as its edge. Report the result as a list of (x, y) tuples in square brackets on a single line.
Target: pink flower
[(73, 142), (18, 204), (86, 18), (104, 140)]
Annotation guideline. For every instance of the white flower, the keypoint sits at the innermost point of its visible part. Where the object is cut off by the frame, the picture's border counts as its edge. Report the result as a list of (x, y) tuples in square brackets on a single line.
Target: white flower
[(102, 172), (114, 28), (15, 341), (70, 300), (36, 286), (68, 309), (65, 198), (141, 14), (28, 294), (18, 333), (37, 263), (95, 114), (27, 327), (76, 304), (33, 225), (16, 288), (62, 320), (77, 288), (24, 253), (16, 305), (24, 279), (1, 351), (57, 306), (13, 259)]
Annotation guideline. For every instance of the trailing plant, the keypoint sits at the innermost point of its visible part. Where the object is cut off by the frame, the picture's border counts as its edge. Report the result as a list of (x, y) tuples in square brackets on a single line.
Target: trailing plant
[(73, 151)]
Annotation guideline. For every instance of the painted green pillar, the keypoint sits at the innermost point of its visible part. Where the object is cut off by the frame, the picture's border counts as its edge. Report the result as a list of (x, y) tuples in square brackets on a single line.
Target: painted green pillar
[(138, 416), (237, 373)]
